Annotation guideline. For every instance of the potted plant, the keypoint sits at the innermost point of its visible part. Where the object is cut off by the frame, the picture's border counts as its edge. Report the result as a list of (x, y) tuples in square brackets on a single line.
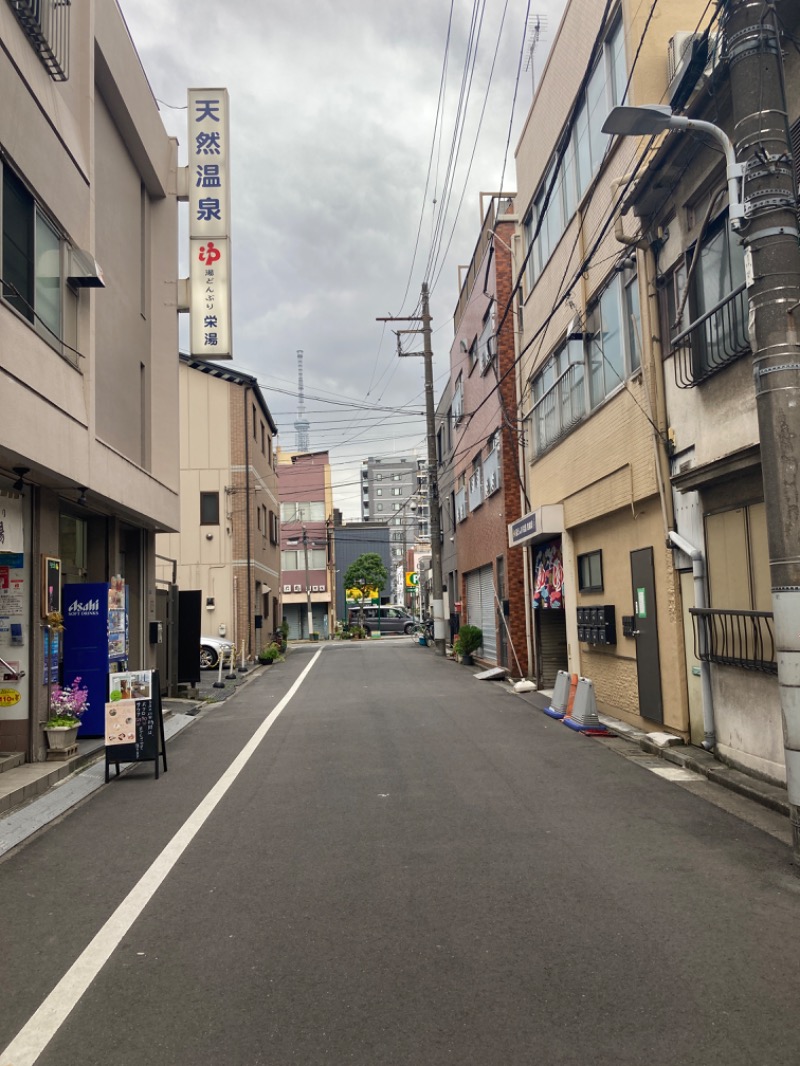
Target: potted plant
[(314, 636), (467, 642), (270, 654), (67, 706)]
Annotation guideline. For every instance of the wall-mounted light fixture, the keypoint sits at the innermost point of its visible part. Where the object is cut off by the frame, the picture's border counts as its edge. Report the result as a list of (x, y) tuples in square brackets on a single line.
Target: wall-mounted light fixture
[(20, 471)]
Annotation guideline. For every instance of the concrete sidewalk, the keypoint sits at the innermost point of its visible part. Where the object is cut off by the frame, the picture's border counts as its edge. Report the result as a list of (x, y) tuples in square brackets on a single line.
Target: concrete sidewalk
[(697, 760)]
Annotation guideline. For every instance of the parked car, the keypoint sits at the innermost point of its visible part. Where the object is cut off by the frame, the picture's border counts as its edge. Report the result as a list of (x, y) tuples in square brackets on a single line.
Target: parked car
[(392, 619), (210, 650)]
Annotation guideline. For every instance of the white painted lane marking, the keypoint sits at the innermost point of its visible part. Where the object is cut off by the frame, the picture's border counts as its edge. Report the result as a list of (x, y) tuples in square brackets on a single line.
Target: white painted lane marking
[(42, 1026)]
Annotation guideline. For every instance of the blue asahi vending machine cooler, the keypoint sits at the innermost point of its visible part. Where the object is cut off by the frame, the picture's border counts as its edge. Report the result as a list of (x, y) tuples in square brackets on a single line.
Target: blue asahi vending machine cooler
[(95, 637)]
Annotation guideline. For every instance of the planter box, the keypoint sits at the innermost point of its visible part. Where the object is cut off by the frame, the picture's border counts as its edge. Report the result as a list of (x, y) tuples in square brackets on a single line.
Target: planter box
[(62, 741)]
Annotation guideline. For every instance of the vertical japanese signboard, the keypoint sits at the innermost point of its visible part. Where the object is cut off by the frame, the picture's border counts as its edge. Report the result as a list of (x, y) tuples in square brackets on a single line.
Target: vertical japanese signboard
[(209, 224)]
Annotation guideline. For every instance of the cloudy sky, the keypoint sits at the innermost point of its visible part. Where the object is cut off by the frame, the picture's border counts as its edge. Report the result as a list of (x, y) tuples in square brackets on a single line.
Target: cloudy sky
[(337, 125)]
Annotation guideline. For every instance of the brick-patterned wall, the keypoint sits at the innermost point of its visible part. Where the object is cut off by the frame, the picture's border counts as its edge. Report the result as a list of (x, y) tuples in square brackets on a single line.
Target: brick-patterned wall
[(490, 406)]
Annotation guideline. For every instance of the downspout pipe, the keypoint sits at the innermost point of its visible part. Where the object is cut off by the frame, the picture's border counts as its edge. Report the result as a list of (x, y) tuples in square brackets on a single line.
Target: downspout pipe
[(698, 573)]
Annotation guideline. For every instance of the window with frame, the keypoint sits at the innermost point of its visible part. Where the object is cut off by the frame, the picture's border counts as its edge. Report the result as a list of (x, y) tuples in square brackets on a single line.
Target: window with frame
[(558, 394), (209, 508), (397, 492), (31, 262), (303, 511), (582, 157), (613, 341), (608, 355), (476, 483), (737, 559), (590, 571), (458, 401), (274, 531), (486, 341), (718, 282)]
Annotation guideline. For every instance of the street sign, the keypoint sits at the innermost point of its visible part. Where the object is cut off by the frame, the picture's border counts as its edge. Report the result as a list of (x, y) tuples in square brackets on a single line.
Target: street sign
[(412, 579)]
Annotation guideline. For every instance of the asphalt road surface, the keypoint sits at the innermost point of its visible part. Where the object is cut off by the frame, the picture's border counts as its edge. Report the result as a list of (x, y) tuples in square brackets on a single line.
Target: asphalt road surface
[(366, 856)]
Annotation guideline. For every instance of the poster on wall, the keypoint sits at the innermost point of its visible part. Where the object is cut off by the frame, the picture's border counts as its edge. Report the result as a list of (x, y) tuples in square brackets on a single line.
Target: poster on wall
[(548, 588), (51, 585), (51, 644), (12, 600), (11, 529)]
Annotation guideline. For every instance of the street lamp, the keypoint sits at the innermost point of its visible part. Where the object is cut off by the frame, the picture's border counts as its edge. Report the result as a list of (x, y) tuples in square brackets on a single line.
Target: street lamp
[(651, 119)]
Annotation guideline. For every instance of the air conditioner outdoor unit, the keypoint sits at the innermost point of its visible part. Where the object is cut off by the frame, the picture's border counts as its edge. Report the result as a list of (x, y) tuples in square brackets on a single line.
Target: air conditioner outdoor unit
[(687, 55), (298, 588), (315, 588), (287, 588)]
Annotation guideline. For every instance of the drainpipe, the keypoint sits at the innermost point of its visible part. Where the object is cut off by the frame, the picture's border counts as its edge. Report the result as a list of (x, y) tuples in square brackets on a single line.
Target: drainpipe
[(698, 573)]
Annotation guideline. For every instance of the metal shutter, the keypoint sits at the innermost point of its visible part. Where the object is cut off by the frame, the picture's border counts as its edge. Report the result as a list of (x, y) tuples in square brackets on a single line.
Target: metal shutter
[(480, 609), (489, 623), (552, 645)]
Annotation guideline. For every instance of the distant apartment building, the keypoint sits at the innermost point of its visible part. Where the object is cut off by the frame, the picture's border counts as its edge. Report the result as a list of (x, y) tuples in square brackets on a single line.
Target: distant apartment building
[(228, 546), (395, 490), (89, 463), (307, 560)]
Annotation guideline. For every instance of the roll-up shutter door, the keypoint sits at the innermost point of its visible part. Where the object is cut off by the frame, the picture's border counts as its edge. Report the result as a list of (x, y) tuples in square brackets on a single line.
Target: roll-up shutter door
[(480, 609), (552, 645), (489, 623), (474, 615)]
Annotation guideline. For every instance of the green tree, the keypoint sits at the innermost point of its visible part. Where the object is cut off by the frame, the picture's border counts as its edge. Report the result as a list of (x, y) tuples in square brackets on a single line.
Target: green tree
[(367, 571)]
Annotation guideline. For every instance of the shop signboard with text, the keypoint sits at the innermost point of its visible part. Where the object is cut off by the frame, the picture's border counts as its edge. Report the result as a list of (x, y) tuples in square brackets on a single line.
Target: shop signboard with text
[(209, 223)]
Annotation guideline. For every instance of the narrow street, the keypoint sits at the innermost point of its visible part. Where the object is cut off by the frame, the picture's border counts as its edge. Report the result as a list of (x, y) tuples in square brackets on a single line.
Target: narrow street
[(411, 867)]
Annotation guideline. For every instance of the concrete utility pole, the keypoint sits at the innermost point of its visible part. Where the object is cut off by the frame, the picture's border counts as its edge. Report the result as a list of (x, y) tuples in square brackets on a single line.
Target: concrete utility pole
[(437, 603), (772, 265), (310, 609)]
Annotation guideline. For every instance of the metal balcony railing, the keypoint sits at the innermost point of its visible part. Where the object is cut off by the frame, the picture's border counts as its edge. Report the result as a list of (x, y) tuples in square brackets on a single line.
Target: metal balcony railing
[(735, 638), (46, 23), (560, 409), (712, 341)]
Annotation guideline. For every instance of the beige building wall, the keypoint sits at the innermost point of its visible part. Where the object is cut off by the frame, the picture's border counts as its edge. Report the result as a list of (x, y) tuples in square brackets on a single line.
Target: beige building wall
[(215, 421), (94, 408), (606, 472)]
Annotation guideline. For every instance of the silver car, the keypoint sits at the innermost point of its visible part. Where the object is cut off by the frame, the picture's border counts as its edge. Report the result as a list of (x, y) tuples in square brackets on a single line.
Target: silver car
[(210, 650)]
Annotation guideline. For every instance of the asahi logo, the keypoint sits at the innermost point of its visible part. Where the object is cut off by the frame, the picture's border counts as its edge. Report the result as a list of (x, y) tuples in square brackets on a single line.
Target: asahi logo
[(89, 607)]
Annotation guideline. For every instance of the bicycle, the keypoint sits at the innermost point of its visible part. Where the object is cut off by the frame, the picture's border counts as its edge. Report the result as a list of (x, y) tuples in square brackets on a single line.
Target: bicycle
[(422, 633)]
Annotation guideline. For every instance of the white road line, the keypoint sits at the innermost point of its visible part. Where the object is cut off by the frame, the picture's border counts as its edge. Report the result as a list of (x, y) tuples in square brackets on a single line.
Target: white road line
[(39, 1030)]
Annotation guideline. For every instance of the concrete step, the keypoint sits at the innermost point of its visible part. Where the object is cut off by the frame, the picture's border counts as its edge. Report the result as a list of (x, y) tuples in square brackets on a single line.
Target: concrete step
[(10, 759), (25, 781)]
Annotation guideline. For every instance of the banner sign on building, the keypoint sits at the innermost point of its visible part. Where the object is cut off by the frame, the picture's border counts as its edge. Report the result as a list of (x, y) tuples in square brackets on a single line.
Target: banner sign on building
[(209, 224)]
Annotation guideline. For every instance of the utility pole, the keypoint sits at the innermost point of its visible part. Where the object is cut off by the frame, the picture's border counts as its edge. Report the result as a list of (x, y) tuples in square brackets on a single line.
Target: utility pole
[(772, 267), (308, 587), (434, 519)]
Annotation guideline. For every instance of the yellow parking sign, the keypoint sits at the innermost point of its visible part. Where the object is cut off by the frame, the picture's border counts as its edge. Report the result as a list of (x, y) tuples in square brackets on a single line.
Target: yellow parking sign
[(412, 579)]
